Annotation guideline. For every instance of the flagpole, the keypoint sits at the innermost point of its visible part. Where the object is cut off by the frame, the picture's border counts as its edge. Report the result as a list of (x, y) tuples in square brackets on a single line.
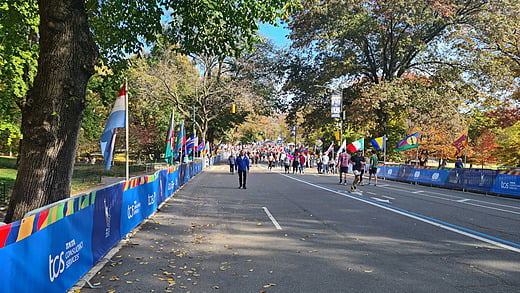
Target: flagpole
[(417, 157), (172, 138), (127, 169), (466, 149), (182, 143), (384, 149), (194, 118)]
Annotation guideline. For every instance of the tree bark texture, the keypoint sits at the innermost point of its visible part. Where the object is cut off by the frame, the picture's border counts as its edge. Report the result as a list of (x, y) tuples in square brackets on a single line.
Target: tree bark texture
[(52, 115)]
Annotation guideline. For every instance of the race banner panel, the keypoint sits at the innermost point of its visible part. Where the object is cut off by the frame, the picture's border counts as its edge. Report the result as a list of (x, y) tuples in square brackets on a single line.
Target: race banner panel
[(106, 231)]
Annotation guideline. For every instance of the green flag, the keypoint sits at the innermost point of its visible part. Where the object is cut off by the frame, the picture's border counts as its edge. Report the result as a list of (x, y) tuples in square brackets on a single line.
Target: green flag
[(168, 154)]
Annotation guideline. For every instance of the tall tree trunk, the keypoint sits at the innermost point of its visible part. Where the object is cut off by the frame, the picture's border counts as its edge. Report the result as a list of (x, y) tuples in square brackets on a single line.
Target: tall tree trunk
[(52, 115)]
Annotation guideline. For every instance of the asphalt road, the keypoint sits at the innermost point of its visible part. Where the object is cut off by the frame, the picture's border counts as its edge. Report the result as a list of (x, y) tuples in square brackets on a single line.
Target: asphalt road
[(306, 233)]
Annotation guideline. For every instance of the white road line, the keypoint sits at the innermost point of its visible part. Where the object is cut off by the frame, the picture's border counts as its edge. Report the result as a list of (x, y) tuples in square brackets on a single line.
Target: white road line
[(388, 197), (409, 215), (275, 223), (381, 200), (492, 208), (463, 200)]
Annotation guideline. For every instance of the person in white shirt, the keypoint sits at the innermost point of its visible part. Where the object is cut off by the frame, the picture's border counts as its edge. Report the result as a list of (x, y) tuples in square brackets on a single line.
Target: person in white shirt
[(325, 162)]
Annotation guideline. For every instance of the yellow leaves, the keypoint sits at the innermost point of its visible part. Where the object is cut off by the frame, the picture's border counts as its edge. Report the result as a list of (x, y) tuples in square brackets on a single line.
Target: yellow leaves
[(114, 278), (111, 291), (269, 285), (225, 266)]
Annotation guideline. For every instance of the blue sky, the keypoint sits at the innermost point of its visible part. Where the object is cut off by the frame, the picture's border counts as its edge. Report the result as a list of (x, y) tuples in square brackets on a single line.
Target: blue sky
[(276, 34)]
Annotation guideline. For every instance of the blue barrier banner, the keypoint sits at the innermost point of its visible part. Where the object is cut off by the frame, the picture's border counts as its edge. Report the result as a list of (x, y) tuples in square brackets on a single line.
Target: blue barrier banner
[(106, 231), (428, 176), (197, 167), (172, 181), (388, 172), (57, 246), (404, 172), (54, 258), (507, 184), (182, 174), (9, 267), (138, 203), (162, 177), (473, 179), (187, 172)]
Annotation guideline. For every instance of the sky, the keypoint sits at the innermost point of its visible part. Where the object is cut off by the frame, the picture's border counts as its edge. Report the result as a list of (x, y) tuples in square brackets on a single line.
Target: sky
[(276, 34)]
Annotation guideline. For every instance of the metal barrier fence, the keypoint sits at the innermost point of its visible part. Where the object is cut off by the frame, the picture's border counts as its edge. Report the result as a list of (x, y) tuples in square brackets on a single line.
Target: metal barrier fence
[(4, 197)]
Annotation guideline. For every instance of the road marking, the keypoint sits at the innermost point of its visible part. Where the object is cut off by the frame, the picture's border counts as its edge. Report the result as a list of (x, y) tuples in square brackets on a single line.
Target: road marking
[(381, 200), (388, 197), (463, 200), (275, 223), (437, 223), (492, 208)]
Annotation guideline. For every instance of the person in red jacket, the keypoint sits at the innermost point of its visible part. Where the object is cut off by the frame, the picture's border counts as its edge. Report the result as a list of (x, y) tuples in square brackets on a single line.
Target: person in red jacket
[(342, 164)]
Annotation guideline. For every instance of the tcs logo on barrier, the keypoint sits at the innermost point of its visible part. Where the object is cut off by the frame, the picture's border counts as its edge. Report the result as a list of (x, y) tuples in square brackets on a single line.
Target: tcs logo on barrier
[(133, 209), (62, 261)]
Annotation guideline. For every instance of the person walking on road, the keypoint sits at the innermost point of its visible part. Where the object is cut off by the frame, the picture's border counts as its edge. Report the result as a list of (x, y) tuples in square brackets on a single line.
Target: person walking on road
[(242, 166), (374, 161), (358, 163), (325, 163), (302, 163), (231, 161), (343, 161), (287, 163), (295, 163), (270, 161)]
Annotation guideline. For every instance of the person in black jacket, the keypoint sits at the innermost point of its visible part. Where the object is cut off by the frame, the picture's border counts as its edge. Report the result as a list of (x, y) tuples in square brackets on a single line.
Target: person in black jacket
[(231, 161)]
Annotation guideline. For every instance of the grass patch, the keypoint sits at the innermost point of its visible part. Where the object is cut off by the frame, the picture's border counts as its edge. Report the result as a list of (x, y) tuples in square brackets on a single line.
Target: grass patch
[(7, 162), (85, 176)]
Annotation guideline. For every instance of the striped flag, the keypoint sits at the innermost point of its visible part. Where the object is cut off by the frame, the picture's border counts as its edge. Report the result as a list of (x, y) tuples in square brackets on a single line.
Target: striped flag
[(409, 142), (180, 142), (330, 149), (115, 120), (379, 143), (357, 145), (170, 144)]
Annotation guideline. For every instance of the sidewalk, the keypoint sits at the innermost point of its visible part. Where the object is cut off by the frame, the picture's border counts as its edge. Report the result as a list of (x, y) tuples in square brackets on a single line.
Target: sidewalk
[(170, 250)]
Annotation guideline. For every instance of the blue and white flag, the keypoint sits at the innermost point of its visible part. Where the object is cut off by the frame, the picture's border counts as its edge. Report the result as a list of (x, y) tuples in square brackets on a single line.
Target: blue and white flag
[(116, 119)]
